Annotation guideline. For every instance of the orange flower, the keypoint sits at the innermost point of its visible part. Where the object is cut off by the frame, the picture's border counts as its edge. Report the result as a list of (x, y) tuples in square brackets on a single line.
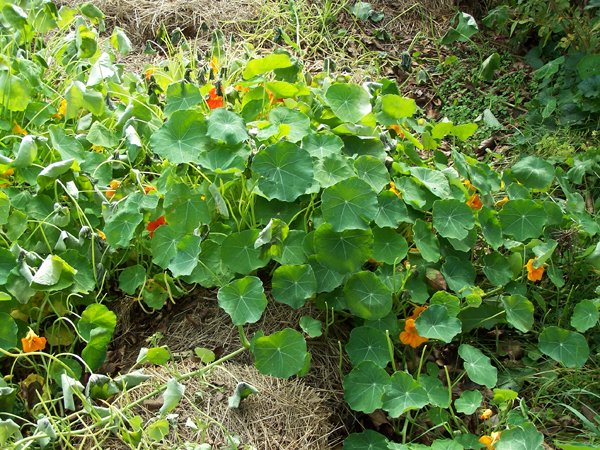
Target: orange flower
[(214, 101), (148, 188), (410, 336), (489, 441), (398, 130), (469, 185), (113, 185), (273, 99), (17, 129), (502, 202), (149, 72), (32, 342), (62, 110), (486, 414), (242, 89), (474, 202), (8, 173), (417, 312), (395, 190), (152, 226), (534, 274), (101, 234)]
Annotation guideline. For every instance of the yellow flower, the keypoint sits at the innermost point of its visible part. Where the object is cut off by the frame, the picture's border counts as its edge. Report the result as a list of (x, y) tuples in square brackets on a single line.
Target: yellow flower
[(214, 65), (97, 148), (32, 342), (469, 186), (149, 72), (534, 274), (395, 190), (502, 202), (101, 234), (486, 414), (62, 110), (474, 202)]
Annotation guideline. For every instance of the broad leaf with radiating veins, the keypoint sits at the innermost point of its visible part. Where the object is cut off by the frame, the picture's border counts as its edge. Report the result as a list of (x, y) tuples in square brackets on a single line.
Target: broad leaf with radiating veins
[(243, 299), (436, 323), (403, 395), (293, 284), (567, 347), (226, 126), (349, 102), (364, 387), (367, 296), (343, 252), (280, 354), (523, 219), (181, 138), (478, 366), (452, 218), (368, 344), (349, 204), (434, 180)]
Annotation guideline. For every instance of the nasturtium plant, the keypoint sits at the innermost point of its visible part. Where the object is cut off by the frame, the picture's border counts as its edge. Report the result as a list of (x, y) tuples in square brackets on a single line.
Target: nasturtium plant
[(368, 344), (567, 347), (292, 285), (365, 385), (243, 299), (403, 395), (478, 366), (281, 354)]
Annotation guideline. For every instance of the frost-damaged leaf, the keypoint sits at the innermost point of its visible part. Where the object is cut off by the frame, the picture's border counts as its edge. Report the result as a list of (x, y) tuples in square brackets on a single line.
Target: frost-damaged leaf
[(349, 102), (285, 170), (366, 440), (364, 387), (172, 396), (349, 204), (367, 296), (464, 29), (452, 218), (478, 366), (567, 347), (368, 344), (436, 323), (242, 390), (404, 395), (155, 355), (266, 64), (523, 219), (281, 354), (69, 386), (293, 284), (181, 138), (244, 300)]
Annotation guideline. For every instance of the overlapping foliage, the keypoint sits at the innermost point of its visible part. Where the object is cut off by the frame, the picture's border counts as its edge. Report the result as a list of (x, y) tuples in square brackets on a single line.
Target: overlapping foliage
[(327, 191)]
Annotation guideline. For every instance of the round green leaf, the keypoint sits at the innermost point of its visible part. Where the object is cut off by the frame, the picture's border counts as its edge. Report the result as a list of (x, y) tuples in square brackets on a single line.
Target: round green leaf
[(404, 395), (164, 245), (311, 326), (519, 312), (349, 102), (434, 180), (367, 296), (281, 354), (333, 169), (182, 96), (436, 391), (478, 366), (522, 219), (181, 138), (497, 269), (534, 172), (391, 210), (567, 347), (436, 323), (585, 316), (327, 278), (368, 344), (452, 218), (350, 204), (131, 278), (322, 145), (388, 246), (373, 171), (367, 440), (285, 170), (468, 402), (292, 285), (343, 252), (364, 387), (524, 437), (238, 252), (244, 300), (284, 122), (226, 126), (8, 332), (426, 241), (394, 107), (459, 273)]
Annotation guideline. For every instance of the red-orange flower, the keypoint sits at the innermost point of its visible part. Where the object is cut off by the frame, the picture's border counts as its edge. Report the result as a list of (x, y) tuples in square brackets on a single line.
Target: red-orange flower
[(273, 99), (534, 274), (152, 226), (474, 202), (32, 342), (410, 335), (398, 130), (148, 188), (214, 101)]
